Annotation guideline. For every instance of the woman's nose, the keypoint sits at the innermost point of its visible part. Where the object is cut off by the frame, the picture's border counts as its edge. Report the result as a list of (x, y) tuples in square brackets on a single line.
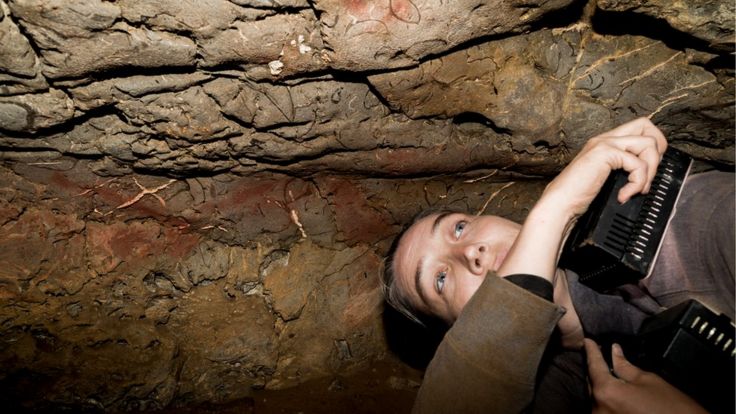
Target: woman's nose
[(475, 255)]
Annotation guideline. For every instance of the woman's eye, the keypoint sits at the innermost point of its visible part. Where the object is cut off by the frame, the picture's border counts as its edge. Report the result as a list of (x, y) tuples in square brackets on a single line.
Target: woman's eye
[(459, 227), (439, 282)]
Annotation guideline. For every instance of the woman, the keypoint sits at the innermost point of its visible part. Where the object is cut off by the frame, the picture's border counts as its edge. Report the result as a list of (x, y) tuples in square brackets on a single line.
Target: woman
[(439, 266)]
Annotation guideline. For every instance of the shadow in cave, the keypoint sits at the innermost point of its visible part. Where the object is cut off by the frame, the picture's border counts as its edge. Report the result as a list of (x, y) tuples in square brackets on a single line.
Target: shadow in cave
[(631, 23), (412, 343), (562, 17)]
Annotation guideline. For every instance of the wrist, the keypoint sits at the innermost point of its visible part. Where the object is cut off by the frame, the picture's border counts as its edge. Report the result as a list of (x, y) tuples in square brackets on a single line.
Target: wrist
[(556, 206), (536, 248), (550, 215)]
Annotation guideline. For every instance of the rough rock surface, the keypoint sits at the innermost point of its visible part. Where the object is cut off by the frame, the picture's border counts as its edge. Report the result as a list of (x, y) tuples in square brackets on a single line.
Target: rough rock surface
[(195, 196), (579, 84), (711, 21)]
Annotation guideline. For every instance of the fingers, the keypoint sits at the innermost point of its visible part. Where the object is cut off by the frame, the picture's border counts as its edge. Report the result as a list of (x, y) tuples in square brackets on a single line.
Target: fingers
[(639, 170), (638, 155), (625, 147), (633, 127), (650, 130), (597, 367), (622, 367), (638, 177), (644, 139), (641, 127), (652, 158)]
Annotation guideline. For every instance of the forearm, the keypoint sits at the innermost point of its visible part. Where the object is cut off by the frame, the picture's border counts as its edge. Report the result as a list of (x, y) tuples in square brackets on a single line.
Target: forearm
[(636, 147), (537, 247)]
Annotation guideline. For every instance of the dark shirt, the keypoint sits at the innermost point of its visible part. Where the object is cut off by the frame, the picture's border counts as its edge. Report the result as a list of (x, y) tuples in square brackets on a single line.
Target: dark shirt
[(534, 284)]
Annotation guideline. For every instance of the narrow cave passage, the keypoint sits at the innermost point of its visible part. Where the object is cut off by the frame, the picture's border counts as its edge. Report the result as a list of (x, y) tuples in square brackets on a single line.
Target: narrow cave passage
[(196, 197)]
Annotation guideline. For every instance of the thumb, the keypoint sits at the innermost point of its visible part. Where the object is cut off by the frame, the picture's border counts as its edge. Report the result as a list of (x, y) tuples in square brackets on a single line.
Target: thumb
[(623, 369)]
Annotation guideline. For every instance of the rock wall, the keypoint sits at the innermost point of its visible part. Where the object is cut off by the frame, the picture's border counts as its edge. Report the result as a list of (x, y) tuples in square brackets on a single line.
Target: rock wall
[(196, 195)]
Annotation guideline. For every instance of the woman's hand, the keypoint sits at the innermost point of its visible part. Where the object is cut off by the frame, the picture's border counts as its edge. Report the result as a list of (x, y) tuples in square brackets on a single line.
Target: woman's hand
[(632, 390), (636, 146)]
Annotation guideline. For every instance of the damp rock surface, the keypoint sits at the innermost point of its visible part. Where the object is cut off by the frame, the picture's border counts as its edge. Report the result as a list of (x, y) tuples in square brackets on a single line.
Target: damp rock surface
[(196, 196)]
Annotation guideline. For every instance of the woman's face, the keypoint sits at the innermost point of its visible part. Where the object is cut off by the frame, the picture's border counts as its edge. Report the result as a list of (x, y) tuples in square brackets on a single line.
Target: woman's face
[(442, 259)]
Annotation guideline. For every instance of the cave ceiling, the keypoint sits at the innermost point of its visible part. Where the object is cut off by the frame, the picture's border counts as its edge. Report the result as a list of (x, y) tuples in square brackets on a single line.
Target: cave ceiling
[(196, 195)]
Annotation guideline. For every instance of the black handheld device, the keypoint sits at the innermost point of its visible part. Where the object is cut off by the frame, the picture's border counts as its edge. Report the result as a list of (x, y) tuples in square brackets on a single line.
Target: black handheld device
[(612, 243)]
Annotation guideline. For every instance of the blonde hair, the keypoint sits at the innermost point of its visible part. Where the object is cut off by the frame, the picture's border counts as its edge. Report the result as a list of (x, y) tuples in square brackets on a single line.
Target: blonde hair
[(391, 293)]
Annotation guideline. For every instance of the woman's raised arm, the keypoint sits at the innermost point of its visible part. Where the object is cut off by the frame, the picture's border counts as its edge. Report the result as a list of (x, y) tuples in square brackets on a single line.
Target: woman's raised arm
[(636, 147)]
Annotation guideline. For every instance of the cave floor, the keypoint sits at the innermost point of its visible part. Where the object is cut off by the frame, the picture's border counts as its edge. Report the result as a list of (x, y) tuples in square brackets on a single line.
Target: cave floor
[(385, 387)]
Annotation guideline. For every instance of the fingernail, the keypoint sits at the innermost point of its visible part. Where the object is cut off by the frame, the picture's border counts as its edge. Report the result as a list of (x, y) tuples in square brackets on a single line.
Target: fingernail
[(617, 350)]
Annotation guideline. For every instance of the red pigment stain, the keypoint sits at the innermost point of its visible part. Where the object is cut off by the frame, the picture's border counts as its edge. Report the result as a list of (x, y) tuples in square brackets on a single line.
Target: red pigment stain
[(142, 240), (114, 198), (62, 181), (354, 217), (405, 11), (134, 242), (111, 197), (178, 244), (250, 195), (255, 199), (357, 6), (386, 11)]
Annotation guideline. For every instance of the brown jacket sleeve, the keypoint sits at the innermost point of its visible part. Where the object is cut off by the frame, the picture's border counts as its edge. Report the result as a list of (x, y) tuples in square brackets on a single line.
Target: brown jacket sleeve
[(488, 360)]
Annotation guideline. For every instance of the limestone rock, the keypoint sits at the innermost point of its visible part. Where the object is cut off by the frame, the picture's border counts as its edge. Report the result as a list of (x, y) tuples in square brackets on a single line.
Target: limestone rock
[(19, 63), (201, 19), (79, 37), (233, 349), (389, 33), (711, 21), (111, 91), (292, 39), (345, 331), (34, 112), (196, 196), (581, 85)]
